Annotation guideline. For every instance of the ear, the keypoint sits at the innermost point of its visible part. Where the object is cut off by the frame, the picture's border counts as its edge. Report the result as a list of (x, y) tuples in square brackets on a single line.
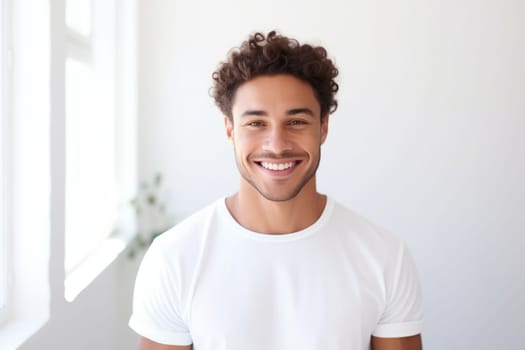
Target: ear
[(228, 126), (324, 128)]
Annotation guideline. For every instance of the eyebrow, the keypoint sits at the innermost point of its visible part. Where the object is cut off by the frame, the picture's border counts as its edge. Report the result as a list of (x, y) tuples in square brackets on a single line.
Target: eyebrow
[(300, 111), (293, 111)]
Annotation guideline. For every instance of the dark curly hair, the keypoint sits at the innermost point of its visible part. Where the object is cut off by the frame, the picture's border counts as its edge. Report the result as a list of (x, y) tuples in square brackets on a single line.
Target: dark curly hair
[(276, 54)]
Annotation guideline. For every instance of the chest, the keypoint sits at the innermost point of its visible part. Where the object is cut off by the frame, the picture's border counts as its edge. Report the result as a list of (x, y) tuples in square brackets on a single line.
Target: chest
[(285, 297)]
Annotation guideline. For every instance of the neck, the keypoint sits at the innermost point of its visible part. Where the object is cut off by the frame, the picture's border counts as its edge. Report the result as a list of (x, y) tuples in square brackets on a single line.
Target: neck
[(256, 213)]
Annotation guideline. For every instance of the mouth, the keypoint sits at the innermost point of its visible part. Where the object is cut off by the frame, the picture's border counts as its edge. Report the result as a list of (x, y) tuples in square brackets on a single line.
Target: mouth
[(278, 167)]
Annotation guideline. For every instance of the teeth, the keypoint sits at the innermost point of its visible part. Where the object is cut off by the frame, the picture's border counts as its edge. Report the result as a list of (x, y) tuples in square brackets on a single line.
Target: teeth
[(275, 166)]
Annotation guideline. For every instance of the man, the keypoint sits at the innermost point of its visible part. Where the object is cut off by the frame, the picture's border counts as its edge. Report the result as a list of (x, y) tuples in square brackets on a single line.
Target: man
[(277, 265)]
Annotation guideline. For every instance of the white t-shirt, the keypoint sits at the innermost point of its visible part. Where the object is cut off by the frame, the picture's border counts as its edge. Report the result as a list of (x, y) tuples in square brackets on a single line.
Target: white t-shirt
[(211, 282)]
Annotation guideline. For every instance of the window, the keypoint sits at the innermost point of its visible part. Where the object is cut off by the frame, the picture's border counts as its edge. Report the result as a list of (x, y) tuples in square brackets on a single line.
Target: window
[(97, 142), (91, 198), (34, 134)]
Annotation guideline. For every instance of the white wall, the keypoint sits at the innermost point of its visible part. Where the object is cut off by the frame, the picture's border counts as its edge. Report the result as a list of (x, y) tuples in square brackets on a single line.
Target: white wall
[(427, 140)]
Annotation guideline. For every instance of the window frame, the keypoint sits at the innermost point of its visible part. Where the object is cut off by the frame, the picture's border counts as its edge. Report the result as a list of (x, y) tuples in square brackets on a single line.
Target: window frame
[(5, 157), (26, 152)]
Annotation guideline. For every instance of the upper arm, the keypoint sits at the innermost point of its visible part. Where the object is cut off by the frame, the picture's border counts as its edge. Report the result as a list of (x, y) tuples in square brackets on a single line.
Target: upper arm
[(156, 306), (403, 343), (146, 344), (402, 312)]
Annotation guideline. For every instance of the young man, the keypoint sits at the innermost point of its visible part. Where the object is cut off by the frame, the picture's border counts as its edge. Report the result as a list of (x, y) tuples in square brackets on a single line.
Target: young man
[(277, 265)]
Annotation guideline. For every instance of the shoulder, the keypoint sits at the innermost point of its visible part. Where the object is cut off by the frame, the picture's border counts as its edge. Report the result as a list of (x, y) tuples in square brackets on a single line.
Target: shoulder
[(361, 233), (188, 235), (361, 227)]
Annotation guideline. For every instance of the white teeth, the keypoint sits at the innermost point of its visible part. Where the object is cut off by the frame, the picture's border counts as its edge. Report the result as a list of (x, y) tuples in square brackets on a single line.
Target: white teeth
[(275, 166)]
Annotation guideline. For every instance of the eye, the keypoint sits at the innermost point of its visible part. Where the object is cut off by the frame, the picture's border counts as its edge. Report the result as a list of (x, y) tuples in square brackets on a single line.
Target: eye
[(254, 124), (297, 122)]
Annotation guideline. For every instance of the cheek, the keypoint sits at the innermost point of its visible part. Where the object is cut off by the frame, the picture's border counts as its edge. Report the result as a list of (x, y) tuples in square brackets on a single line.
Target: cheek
[(248, 140), (242, 144), (314, 145)]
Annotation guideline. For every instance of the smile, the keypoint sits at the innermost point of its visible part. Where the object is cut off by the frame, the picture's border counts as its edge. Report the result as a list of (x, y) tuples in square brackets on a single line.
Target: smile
[(277, 166)]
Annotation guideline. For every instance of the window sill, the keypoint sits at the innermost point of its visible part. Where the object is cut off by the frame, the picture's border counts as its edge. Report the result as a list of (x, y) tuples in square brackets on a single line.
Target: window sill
[(15, 333), (93, 266)]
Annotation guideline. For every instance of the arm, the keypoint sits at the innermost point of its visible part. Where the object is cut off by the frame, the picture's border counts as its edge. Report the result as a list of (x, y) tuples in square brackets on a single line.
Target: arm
[(146, 344), (404, 343), (155, 305)]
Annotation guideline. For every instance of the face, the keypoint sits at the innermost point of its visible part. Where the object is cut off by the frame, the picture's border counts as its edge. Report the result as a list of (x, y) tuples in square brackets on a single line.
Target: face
[(276, 131)]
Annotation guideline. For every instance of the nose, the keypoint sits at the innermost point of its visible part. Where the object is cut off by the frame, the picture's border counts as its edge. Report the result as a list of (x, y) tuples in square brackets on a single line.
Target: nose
[(277, 141)]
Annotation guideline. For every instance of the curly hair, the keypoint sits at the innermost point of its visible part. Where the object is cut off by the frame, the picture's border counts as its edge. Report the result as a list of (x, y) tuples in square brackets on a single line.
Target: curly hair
[(271, 55)]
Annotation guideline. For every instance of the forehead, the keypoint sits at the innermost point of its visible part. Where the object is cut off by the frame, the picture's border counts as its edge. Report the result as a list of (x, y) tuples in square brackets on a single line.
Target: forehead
[(274, 93)]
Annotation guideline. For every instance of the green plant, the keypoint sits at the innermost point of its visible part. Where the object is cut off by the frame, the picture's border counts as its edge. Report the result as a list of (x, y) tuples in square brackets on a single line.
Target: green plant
[(151, 214)]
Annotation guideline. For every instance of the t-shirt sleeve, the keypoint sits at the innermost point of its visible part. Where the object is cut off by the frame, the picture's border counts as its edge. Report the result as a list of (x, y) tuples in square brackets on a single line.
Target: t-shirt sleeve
[(156, 302), (403, 314)]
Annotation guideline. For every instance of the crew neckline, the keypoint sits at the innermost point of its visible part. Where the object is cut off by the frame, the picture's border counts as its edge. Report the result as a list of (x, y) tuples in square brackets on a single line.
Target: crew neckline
[(282, 237)]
